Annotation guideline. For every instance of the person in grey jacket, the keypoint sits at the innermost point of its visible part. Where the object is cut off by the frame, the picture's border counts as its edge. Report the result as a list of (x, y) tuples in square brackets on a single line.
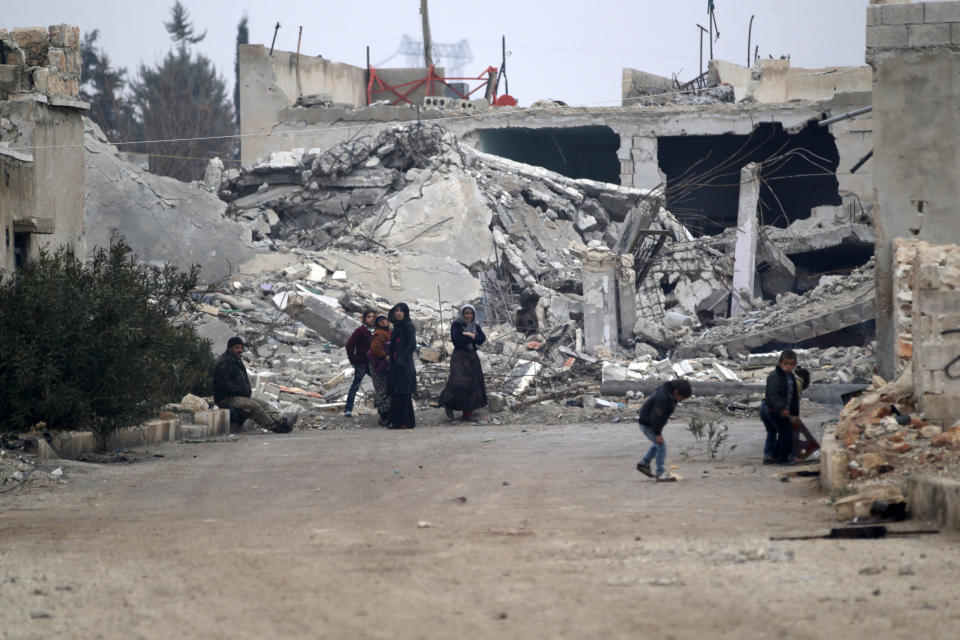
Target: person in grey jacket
[(654, 414)]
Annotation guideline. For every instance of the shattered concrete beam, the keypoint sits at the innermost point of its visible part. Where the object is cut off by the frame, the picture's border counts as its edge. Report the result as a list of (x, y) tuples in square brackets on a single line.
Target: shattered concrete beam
[(857, 308), (330, 323), (626, 296), (745, 254)]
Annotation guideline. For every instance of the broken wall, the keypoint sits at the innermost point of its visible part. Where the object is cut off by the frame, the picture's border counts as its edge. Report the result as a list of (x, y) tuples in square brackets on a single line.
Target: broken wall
[(936, 331), (45, 60), (914, 50), (268, 93), (774, 81)]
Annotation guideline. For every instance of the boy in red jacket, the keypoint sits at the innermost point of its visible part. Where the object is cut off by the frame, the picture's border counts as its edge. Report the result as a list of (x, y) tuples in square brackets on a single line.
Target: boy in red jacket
[(357, 347)]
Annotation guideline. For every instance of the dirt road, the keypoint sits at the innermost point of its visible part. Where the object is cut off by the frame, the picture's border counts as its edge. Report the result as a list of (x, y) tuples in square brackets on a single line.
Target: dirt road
[(534, 532)]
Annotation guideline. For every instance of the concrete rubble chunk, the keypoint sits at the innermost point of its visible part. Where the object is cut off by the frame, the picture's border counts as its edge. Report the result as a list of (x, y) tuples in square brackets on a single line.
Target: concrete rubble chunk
[(161, 219)]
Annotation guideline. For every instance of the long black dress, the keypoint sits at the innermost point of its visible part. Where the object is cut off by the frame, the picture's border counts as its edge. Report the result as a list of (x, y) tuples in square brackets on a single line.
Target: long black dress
[(465, 389), (402, 374)]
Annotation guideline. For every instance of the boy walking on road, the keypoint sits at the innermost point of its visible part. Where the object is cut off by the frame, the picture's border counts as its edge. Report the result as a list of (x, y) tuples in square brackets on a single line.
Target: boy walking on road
[(653, 418)]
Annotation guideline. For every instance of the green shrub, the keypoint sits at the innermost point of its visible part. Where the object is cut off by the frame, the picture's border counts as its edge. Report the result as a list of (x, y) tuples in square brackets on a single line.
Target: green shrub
[(96, 344)]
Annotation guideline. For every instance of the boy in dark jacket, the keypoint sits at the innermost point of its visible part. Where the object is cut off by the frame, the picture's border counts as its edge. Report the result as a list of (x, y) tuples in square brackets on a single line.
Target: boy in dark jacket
[(781, 407), (653, 418), (357, 347)]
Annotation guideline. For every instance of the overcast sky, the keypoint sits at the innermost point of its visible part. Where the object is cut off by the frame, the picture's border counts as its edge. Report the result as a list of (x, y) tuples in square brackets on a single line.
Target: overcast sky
[(563, 49)]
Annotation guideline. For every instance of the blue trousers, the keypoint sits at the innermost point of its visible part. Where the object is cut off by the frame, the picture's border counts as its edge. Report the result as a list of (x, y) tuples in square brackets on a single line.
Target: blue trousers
[(658, 451), (358, 373)]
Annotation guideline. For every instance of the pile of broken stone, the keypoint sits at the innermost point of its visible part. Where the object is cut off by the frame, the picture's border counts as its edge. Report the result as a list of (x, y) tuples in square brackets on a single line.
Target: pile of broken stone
[(383, 219), (886, 438)]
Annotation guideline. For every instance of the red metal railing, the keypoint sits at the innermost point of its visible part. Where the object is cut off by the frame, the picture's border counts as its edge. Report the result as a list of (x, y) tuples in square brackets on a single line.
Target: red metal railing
[(375, 84)]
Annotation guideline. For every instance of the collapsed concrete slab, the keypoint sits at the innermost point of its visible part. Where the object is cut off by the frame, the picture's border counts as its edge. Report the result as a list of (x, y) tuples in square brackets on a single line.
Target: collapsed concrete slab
[(319, 315), (160, 218), (443, 216), (838, 303)]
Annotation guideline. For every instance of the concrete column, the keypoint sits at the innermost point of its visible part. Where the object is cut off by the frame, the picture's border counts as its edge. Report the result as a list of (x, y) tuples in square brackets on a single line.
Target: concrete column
[(936, 331), (626, 296), (646, 163), (745, 254), (916, 138), (599, 299)]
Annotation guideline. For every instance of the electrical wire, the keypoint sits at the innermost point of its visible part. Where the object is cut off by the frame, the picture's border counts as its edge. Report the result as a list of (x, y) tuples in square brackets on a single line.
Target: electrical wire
[(499, 112)]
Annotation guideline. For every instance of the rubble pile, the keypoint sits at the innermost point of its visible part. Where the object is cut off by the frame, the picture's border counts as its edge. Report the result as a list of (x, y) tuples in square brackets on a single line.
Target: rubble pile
[(835, 303), (886, 437), (386, 218)]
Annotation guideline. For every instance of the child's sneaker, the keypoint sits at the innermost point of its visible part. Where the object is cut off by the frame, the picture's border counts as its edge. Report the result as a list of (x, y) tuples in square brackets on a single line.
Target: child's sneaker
[(666, 477), (645, 469)]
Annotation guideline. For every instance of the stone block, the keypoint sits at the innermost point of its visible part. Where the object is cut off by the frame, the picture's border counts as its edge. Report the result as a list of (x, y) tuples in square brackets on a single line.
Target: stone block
[(941, 12), (955, 34), (932, 498), (874, 15), (886, 36), (496, 402), (928, 35), (903, 13)]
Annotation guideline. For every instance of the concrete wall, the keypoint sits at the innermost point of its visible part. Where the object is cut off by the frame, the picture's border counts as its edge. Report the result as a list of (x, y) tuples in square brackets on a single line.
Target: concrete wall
[(268, 93), (936, 331), (637, 83), (775, 81), (914, 50)]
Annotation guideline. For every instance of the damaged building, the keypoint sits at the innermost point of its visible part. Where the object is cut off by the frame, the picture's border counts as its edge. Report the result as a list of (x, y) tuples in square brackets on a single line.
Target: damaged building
[(682, 148), (41, 142)]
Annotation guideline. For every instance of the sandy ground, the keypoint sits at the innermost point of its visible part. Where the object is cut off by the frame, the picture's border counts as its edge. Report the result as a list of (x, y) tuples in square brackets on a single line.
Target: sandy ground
[(534, 532)]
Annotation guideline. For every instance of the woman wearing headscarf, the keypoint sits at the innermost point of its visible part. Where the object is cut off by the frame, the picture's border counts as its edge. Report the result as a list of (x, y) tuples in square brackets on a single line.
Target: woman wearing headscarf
[(465, 390), (379, 359), (402, 374)]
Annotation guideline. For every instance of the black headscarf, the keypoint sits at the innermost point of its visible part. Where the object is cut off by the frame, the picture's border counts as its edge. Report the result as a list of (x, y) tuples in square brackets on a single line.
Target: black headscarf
[(402, 306)]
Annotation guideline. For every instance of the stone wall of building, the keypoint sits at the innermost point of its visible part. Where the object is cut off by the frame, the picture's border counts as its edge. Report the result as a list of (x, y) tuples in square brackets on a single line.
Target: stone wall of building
[(914, 50), (44, 60), (936, 331), (42, 191)]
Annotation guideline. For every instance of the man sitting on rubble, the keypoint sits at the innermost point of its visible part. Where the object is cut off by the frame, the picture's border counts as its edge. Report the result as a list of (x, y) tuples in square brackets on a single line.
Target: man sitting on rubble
[(231, 390), (653, 418), (781, 408)]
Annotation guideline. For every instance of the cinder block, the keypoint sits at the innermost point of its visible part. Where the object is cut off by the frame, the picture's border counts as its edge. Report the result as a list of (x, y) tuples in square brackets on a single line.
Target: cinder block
[(874, 15), (903, 13), (942, 12), (886, 36), (955, 34), (928, 35)]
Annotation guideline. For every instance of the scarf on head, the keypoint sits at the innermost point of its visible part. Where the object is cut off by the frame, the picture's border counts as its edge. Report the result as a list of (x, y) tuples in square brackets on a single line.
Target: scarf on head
[(470, 327)]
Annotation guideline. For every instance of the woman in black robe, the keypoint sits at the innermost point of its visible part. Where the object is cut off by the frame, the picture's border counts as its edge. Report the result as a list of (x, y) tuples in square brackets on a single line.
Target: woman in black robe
[(465, 390), (402, 374)]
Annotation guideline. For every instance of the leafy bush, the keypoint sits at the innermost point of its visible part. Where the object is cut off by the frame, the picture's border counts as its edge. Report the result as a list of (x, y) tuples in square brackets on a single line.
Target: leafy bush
[(97, 344)]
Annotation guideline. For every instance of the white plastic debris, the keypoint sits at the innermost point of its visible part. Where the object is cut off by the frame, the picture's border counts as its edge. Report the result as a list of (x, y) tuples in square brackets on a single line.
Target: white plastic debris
[(57, 473), (423, 524)]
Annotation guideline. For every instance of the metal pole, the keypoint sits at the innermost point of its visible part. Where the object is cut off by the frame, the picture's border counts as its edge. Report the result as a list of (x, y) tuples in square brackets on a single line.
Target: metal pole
[(274, 41), (368, 75), (845, 116), (427, 46), (749, 37), (503, 65), (299, 87), (710, 23)]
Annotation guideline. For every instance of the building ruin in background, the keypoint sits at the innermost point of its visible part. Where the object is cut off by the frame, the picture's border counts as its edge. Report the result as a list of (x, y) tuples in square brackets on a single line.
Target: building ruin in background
[(41, 142)]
